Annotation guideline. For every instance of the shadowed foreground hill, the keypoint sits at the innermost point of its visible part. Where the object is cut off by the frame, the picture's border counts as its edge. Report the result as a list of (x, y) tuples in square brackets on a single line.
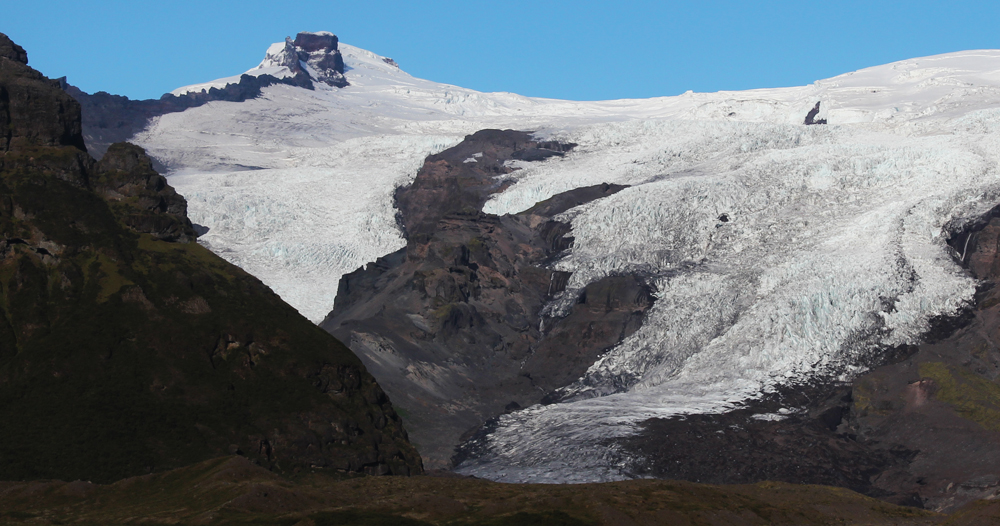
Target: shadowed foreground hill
[(127, 349), (233, 491)]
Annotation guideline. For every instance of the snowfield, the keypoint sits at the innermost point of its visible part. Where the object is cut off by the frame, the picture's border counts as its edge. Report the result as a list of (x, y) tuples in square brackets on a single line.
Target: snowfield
[(778, 251)]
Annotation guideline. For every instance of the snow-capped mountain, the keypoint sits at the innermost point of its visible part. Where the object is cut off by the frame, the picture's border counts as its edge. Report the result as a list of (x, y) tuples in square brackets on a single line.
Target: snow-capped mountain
[(779, 251)]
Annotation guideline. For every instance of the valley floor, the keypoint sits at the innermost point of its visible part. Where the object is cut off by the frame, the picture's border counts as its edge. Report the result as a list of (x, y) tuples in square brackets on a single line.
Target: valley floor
[(231, 490)]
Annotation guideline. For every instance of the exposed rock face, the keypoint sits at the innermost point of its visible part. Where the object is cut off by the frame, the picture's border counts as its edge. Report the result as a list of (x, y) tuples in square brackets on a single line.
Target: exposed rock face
[(921, 429), (144, 199), (125, 350), (319, 50), (800, 435), (12, 51), (288, 57), (944, 400), (811, 116), (108, 119), (452, 325), (322, 42), (30, 117)]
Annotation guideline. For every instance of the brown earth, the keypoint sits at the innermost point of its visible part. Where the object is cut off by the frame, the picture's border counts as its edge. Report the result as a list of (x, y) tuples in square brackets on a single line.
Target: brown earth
[(233, 491)]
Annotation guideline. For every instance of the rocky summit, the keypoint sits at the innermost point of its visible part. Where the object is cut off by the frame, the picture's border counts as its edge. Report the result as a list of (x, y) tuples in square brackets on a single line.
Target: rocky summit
[(127, 349), (311, 57), (319, 52)]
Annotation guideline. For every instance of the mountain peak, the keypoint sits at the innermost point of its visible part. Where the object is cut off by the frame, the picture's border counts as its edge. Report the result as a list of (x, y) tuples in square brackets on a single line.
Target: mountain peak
[(313, 54), (281, 54), (8, 49), (321, 41)]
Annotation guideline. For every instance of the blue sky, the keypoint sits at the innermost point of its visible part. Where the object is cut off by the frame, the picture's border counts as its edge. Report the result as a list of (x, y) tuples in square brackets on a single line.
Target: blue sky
[(582, 50)]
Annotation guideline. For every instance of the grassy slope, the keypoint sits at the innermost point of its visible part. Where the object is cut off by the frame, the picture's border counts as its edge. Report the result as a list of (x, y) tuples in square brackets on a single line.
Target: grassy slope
[(232, 491), (122, 354)]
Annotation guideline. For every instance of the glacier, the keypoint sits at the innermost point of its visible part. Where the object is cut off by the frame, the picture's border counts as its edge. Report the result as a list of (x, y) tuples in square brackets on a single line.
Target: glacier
[(779, 251)]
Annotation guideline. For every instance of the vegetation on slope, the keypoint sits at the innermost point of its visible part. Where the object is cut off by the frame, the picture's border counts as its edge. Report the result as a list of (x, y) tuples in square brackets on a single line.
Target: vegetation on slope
[(125, 349), (233, 491)]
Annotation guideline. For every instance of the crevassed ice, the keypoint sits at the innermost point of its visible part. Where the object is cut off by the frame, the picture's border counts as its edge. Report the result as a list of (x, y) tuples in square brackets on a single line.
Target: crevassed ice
[(834, 243), (312, 223)]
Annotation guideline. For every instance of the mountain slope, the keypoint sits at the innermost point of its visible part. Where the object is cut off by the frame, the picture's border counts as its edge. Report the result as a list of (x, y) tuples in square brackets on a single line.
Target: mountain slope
[(784, 251), (230, 491), (453, 321), (125, 348)]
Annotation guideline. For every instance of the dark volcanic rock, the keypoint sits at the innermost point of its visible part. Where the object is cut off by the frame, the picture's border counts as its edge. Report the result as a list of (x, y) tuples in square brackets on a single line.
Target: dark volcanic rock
[(12, 51), (811, 116), (452, 325), (319, 50), (122, 352), (29, 116), (288, 57), (144, 200), (800, 434), (944, 400), (313, 42)]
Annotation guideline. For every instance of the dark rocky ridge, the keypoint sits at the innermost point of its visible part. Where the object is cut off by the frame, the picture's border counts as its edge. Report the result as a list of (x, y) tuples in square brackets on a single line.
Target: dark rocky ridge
[(811, 116), (108, 118), (451, 325), (319, 50), (32, 114), (126, 349), (921, 428), (140, 196)]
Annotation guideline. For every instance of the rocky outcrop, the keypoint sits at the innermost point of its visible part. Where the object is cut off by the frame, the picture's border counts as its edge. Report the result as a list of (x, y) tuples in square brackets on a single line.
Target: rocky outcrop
[(319, 51), (12, 51), (800, 434), (287, 57), (452, 325), (30, 117), (944, 399), (142, 197), (125, 350), (811, 116)]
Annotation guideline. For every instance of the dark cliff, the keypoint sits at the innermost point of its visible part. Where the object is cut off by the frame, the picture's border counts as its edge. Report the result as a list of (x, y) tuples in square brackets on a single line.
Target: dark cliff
[(127, 349), (451, 325)]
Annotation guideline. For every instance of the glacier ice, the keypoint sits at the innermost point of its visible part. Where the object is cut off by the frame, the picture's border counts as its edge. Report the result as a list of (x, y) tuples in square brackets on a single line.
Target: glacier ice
[(833, 244)]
